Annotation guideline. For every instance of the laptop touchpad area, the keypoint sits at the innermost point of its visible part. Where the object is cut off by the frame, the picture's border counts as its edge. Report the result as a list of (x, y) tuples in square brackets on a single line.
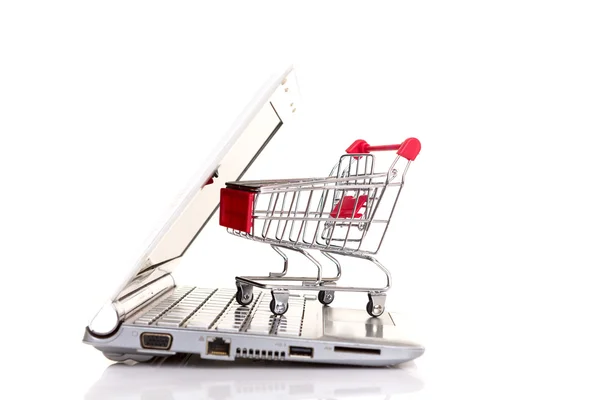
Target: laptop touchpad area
[(347, 324)]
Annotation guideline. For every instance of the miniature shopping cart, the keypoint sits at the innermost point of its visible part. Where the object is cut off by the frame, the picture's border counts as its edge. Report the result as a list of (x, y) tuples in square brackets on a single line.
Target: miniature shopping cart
[(344, 214)]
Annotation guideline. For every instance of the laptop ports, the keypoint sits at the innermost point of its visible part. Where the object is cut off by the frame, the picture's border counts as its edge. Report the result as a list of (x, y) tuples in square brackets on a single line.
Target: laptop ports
[(218, 347), (299, 351), (357, 350), (156, 341)]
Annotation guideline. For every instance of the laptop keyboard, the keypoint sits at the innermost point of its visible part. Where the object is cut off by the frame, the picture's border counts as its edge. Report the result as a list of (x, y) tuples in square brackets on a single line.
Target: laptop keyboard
[(217, 309)]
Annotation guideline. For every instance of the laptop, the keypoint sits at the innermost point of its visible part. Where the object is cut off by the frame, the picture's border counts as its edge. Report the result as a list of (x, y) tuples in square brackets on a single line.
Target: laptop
[(151, 315)]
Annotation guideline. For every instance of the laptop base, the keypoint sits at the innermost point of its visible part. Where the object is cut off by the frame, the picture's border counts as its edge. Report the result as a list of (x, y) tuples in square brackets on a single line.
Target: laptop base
[(210, 323)]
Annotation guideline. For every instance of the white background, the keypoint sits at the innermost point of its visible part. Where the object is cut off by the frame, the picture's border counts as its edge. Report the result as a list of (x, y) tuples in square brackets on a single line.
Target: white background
[(107, 109)]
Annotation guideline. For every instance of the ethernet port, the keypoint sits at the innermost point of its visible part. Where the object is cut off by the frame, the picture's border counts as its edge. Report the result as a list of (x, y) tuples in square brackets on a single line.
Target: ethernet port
[(218, 347)]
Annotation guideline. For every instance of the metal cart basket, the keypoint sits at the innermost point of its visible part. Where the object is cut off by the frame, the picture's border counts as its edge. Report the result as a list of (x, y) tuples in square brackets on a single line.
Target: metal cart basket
[(344, 214)]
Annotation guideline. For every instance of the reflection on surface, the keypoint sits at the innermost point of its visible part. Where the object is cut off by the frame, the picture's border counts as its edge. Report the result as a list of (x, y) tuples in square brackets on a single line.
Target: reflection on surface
[(374, 328), (182, 377), (344, 324)]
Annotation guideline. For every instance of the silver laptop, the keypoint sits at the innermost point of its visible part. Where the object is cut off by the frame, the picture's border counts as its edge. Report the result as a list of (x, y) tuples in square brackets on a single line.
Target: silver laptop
[(151, 315)]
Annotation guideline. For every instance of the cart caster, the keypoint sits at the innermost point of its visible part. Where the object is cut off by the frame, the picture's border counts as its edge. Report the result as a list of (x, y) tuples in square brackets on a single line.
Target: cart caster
[(326, 297), (244, 295), (279, 303), (376, 305)]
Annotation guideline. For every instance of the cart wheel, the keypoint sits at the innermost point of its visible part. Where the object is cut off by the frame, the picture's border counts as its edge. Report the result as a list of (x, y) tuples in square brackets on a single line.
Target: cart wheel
[(242, 298), (278, 310), (326, 296), (374, 310)]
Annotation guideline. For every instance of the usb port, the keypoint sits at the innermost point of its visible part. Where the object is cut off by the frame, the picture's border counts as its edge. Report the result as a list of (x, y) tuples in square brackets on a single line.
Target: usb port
[(298, 351)]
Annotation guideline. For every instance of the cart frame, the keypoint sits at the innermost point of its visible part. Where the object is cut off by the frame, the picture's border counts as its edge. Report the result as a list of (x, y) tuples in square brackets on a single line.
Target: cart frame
[(345, 213)]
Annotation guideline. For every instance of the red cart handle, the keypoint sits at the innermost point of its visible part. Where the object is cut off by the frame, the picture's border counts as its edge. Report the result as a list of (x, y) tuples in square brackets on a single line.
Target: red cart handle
[(408, 149)]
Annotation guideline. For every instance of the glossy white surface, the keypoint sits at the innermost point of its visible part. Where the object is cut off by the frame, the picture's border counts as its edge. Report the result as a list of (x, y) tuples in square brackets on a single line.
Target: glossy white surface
[(105, 321), (252, 380), (106, 108)]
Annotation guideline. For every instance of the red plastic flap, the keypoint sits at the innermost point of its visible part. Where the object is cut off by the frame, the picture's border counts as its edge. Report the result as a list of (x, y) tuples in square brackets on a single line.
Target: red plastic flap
[(236, 209), (209, 182), (345, 207), (410, 149)]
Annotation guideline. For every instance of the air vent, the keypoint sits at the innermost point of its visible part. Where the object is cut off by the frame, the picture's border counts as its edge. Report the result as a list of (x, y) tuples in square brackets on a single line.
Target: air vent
[(259, 354)]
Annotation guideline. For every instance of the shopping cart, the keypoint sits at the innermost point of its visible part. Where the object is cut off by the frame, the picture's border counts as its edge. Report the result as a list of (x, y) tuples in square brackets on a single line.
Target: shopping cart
[(344, 214)]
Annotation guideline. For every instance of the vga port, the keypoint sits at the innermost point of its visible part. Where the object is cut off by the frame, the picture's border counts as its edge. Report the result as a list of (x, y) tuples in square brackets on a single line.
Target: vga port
[(156, 341)]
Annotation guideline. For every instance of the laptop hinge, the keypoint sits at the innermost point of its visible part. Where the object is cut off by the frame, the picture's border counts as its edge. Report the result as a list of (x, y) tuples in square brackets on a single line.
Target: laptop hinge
[(127, 305), (112, 314)]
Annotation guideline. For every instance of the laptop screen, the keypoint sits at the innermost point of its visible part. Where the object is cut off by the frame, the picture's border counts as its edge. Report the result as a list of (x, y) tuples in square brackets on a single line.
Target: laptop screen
[(243, 143)]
